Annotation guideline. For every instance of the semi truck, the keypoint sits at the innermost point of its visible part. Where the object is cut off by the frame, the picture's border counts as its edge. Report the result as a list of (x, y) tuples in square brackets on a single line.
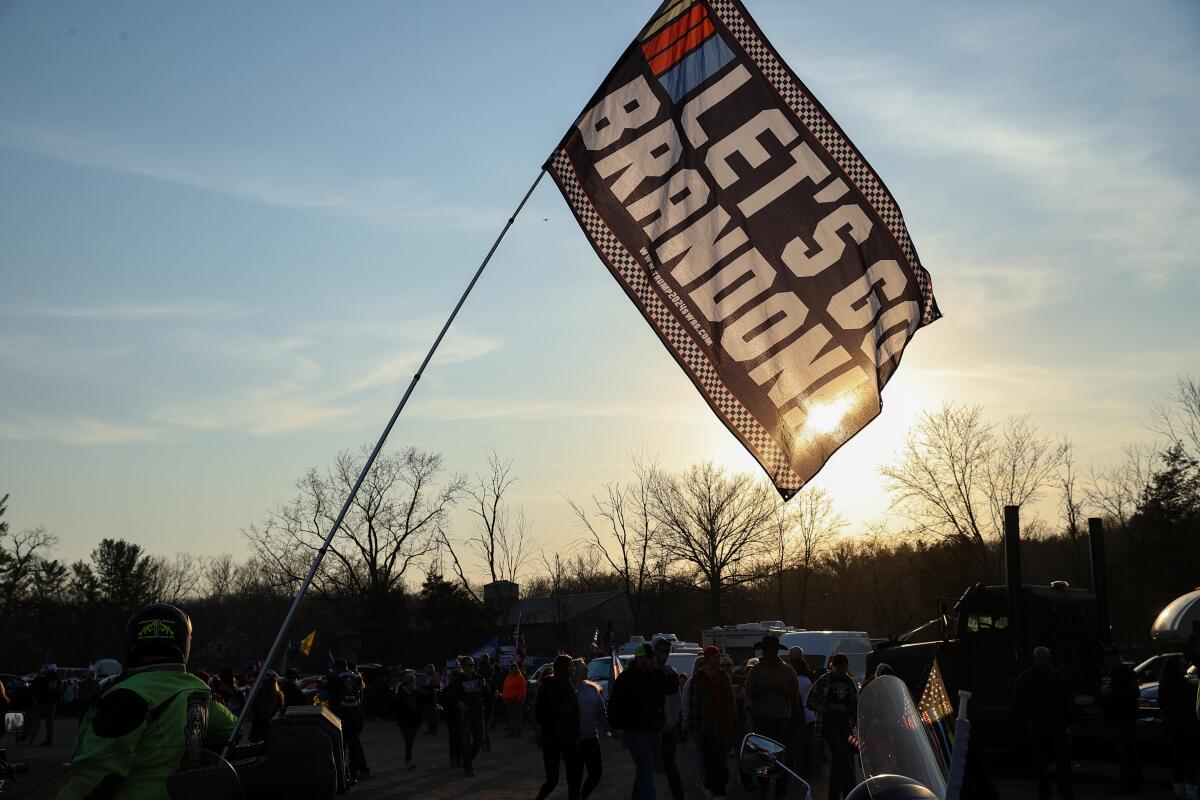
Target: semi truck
[(985, 638)]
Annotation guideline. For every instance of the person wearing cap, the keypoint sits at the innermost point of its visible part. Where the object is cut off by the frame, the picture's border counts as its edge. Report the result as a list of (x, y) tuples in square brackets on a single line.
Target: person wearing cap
[(152, 720), (635, 712), (467, 693), (672, 713), (1044, 707), (1119, 695), (345, 686), (711, 719), (409, 705), (47, 689), (772, 690)]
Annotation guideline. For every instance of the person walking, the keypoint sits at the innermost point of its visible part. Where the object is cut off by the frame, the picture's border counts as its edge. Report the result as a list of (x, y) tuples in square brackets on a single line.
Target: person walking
[(513, 693), (428, 684), (454, 715), (593, 718), (345, 687), (487, 673), (711, 720), (635, 712), (803, 717), (1044, 707), (47, 690), (771, 691), (1178, 699), (409, 705), (684, 695), (834, 696), (1119, 698), (468, 693), (672, 714), (557, 714)]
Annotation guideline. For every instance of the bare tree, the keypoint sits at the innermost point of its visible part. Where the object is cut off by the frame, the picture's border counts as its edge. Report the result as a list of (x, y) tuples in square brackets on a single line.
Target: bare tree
[(21, 554), (624, 533), (1177, 417), (394, 521), (716, 526), (1116, 492), (218, 573), (814, 524), (501, 539), (175, 580), (956, 474), (1022, 466)]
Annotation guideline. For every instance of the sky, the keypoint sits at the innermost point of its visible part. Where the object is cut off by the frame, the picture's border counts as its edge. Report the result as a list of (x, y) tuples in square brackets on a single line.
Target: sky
[(229, 232)]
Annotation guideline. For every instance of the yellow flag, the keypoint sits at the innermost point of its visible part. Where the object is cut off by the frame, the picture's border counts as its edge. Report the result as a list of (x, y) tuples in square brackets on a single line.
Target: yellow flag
[(307, 642)]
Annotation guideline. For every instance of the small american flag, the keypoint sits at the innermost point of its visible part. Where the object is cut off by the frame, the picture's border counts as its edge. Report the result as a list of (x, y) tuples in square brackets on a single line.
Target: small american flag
[(937, 713)]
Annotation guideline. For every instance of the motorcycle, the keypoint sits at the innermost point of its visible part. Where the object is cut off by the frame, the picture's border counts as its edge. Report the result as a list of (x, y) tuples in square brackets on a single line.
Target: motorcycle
[(895, 751)]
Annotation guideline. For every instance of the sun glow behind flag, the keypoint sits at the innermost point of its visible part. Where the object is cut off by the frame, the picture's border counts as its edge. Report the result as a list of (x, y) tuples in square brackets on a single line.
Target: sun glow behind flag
[(755, 239)]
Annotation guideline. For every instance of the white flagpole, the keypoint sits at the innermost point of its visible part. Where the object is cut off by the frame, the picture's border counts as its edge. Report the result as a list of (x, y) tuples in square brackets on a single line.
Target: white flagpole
[(337, 524)]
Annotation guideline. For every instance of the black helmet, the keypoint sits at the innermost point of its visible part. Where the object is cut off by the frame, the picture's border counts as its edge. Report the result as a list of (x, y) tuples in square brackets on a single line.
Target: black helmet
[(159, 630)]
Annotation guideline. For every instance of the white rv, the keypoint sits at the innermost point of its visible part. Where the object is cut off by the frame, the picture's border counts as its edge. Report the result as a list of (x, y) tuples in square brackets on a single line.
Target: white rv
[(740, 641)]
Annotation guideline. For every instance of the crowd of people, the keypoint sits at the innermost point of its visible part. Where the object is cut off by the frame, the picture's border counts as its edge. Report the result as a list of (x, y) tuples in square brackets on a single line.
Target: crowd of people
[(652, 709)]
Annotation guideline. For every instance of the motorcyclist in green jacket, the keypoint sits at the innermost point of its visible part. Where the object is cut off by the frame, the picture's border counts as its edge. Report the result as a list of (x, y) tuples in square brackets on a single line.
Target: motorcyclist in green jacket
[(153, 720)]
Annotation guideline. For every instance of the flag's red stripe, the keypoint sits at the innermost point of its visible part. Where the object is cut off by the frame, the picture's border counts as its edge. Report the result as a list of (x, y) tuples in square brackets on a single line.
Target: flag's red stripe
[(667, 59), (665, 39)]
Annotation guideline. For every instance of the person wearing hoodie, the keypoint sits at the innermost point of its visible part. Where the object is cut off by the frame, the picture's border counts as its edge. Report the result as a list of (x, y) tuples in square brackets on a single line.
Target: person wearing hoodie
[(635, 712), (557, 714)]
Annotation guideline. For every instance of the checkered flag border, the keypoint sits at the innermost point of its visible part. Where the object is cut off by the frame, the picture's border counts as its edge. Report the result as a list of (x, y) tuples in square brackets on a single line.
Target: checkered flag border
[(788, 86)]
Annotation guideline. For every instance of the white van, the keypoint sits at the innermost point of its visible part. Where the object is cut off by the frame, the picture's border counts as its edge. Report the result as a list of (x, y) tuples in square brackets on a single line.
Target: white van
[(820, 645)]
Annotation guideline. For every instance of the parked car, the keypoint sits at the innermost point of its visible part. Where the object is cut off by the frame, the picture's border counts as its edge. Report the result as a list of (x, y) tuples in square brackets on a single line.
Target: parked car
[(1150, 727), (600, 672), (1148, 670)]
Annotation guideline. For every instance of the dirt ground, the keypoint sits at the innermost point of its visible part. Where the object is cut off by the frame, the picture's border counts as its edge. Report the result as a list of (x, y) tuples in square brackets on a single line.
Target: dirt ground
[(513, 770)]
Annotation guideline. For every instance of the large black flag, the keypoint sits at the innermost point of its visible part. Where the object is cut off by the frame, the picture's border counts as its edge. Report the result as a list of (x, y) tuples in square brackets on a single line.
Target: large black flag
[(756, 240)]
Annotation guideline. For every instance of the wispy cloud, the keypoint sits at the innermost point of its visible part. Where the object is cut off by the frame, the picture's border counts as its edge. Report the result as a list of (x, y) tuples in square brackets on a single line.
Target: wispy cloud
[(135, 312), (263, 411), (76, 430), (1092, 181), (400, 366), (384, 201), (459, 409)]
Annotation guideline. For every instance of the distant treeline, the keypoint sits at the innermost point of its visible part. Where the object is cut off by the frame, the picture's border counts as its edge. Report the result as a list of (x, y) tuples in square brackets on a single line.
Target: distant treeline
[(687, 550)]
